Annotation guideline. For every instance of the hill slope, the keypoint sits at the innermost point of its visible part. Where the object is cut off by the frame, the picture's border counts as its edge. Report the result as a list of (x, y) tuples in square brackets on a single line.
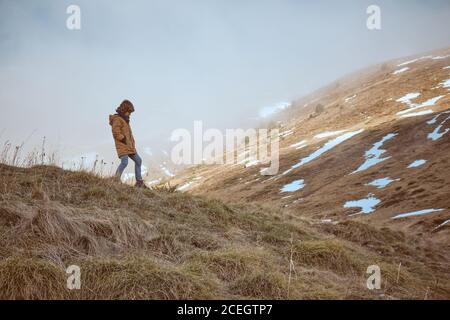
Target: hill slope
[(372, 147), (140, 244)]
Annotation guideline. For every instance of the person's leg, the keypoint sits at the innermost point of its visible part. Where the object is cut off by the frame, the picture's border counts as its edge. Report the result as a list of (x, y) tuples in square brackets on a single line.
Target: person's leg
[(123, 164), (137, 166)]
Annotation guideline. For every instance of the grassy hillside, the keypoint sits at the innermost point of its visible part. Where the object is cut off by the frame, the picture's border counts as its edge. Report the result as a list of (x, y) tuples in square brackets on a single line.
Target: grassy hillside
[(148, 244)]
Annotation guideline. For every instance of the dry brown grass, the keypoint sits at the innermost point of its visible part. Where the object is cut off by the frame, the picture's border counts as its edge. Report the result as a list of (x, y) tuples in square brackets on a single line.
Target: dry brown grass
[(327, 255), (154, 244), (31, 278)]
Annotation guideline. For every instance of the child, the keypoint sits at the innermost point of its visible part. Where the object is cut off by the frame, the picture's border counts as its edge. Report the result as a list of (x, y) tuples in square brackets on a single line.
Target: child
[(123, 138)]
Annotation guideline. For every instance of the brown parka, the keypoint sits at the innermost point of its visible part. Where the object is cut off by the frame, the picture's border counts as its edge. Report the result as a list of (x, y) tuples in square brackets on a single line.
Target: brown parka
[(123, 136)]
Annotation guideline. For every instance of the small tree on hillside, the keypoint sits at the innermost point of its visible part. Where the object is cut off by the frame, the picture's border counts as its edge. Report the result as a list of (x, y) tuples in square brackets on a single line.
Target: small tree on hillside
[(320, 108)]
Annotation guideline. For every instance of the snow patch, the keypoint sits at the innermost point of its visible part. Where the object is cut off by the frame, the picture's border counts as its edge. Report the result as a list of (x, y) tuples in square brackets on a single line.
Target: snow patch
[(414, 60), (367, 204), (350, 98), (416, 114), (400, 70), (433, 121), (328, 134), (408, 97), (412, 106), (293, 186), (416, 213), (408, 62), (326, 147), (299, 145), (185, 186), (446, 83), (436, 134), (440, 57), (442, 224), (373, 155), (286, 133), (417, 163), (381, 183)]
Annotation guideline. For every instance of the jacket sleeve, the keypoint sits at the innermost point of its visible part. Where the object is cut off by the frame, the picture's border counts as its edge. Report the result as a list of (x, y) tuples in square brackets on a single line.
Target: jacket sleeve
[(117, 130)]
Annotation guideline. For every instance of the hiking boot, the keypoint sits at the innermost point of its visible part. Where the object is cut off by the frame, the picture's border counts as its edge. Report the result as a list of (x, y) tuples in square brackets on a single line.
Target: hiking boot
[(141, 184)]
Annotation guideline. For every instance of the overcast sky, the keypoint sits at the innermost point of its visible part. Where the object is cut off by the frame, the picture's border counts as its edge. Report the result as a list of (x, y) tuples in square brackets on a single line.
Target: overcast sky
[(220, 61)]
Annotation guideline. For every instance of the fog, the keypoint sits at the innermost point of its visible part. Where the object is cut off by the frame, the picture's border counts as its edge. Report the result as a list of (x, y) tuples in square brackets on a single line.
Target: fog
[(178, 61)]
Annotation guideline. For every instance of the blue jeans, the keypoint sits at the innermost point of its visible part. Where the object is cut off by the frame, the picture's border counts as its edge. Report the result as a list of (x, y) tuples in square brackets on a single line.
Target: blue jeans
[(137, 165)]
